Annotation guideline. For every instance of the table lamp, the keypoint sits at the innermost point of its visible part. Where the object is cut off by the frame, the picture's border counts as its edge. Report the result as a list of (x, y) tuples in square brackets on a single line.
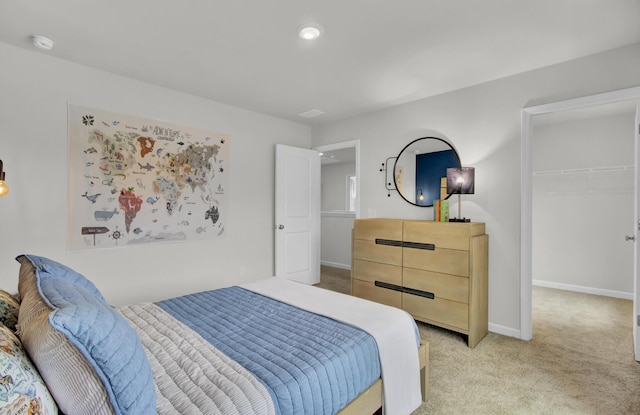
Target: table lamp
[(460, 181)]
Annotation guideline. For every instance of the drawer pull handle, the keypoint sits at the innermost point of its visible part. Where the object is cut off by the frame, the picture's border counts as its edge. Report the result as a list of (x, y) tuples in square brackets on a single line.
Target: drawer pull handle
[(389, 242), (417, 245), (388, 286), (419, 293)]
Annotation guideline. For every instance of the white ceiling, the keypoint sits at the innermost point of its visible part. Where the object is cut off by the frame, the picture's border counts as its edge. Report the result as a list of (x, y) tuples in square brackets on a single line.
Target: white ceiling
[(373, 54), (343, 155)]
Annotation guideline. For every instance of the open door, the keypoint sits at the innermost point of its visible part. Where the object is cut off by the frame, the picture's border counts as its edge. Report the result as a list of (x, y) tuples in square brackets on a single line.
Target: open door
[(636, 251), (297, 211)]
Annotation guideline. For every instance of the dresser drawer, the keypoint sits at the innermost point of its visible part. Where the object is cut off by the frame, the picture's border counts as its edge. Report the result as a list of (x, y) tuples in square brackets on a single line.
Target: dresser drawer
[(444, 286), (372, 229), (373, 271), (370, 251), (368, 291), (442, 234), (438, 310), (436, 271), (445, 261)]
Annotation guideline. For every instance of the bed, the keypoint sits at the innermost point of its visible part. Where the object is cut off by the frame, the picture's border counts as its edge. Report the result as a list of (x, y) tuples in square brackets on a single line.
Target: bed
[(269, 347)]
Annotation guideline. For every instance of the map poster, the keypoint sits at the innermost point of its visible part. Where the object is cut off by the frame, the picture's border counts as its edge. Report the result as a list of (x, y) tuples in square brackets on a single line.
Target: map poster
[(139, 181)]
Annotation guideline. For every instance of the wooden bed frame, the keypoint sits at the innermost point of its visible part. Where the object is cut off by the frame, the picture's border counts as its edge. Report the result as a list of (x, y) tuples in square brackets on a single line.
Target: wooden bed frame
[(370, 401)]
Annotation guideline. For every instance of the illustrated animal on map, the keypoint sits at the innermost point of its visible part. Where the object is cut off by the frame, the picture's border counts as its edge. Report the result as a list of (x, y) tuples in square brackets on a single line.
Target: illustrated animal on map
[(147, 167), (212, 214), (91, 198), (105, 215)]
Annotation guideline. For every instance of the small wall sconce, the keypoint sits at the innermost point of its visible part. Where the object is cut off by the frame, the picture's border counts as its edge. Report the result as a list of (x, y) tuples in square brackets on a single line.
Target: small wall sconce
[(460, 181), (4, 189)]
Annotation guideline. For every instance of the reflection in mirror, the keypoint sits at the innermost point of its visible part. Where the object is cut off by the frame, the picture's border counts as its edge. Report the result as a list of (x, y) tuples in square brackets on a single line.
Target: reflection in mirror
[(420, 169)]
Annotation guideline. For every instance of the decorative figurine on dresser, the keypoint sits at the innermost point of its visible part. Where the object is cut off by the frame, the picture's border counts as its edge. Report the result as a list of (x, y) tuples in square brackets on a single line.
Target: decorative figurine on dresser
[(436, 271)]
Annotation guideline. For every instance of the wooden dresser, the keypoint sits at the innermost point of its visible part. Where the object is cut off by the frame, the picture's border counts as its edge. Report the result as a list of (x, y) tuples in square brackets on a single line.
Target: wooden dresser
[(436, 271)]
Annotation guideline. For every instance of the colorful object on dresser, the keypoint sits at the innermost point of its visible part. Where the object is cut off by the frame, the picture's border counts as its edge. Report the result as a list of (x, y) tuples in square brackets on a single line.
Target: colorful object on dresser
[(441, 210)]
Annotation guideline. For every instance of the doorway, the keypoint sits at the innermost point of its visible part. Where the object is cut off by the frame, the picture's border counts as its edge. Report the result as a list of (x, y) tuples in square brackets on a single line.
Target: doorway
[(583, 202), (583, 198), (528, 114), (340, 200)]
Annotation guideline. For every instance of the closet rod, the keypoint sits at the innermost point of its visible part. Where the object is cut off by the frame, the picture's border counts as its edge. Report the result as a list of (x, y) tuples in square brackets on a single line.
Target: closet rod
[(584, 170)]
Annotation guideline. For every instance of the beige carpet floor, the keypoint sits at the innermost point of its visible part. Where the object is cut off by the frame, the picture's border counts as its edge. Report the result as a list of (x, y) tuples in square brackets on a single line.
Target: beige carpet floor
[(580, 360)]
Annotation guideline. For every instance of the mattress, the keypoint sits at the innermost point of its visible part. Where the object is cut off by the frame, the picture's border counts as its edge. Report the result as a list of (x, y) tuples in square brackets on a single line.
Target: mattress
[(237, 350), (305, 362)]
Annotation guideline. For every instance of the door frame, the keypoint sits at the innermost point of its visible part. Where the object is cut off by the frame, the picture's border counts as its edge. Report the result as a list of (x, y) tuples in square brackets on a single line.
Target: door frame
[(526, 197), (342, 145)]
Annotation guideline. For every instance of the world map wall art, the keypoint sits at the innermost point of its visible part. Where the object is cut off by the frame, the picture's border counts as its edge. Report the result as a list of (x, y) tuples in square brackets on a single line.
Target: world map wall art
[(139, 181)]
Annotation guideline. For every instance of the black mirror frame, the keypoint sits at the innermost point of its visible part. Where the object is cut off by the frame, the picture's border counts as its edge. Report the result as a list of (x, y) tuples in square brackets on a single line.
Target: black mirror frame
[(400, 154)]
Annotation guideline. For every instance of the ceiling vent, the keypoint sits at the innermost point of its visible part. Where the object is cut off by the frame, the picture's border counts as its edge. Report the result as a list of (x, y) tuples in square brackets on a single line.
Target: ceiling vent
[(311, 113)]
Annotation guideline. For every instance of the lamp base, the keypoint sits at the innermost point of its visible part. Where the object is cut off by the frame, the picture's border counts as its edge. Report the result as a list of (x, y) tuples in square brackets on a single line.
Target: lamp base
[(460, 220)]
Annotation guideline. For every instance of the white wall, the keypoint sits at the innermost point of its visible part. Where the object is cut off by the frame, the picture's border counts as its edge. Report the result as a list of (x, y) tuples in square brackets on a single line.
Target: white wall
[(34, 92), (483, 123), (580, 218), (336, 239), (336, 227), (334, 185)]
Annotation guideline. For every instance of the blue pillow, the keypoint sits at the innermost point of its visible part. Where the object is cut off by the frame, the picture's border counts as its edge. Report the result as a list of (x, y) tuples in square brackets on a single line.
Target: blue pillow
[(109, 344), (62, 271)]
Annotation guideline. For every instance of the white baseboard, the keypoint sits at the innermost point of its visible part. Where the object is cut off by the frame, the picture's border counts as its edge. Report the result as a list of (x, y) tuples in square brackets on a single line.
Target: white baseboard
[(511, 332), (335, 265), (582, 289), (505, 331)]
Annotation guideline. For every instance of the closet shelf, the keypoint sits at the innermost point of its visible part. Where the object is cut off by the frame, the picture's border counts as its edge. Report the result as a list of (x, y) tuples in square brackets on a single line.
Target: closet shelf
[(584, 170)]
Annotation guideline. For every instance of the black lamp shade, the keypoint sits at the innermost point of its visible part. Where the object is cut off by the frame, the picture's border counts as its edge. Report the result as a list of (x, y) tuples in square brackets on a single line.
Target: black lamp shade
[(461, 180)]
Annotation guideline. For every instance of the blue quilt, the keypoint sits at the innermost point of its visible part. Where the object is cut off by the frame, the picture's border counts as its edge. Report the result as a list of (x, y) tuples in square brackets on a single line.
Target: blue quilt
[(310, 364)]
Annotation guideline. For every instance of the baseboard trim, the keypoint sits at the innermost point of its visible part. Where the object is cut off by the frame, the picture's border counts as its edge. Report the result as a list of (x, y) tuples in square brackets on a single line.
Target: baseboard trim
[(335, 265), (582, 289), (504, 330)]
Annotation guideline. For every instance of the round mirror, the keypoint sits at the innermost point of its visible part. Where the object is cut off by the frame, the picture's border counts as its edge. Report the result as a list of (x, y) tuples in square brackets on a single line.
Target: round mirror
[(420, 168)]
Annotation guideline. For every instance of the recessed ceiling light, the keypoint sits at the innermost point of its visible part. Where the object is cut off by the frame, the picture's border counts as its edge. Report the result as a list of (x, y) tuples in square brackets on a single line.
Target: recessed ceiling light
[(310, 31), (42, 42)]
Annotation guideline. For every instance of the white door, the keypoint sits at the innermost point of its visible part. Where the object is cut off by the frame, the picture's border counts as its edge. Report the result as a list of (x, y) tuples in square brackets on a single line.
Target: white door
[(636, 233), (297, 199)]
